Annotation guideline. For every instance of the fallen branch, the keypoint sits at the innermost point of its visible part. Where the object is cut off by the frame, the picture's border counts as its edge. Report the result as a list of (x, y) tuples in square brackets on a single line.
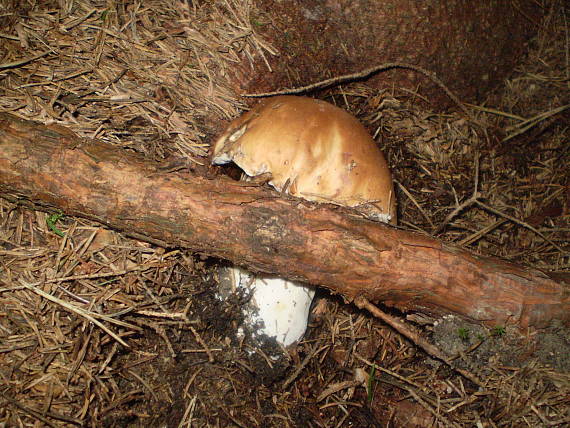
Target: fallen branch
[(52, 169)]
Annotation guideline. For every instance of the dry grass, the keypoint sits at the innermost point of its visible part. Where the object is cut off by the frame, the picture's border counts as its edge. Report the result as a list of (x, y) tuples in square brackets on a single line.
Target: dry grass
[(100, 330), (139, 75)]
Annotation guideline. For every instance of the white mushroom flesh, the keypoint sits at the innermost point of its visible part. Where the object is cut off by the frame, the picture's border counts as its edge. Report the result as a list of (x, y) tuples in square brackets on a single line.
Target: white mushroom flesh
[(315, 151), (278, 308)]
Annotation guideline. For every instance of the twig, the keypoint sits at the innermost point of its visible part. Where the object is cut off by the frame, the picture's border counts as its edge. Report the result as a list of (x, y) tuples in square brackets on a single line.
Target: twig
[(91, 276), (472, 200), (168, 315), (203, 343), (301, 366), (339, 386), (411, 333), (426, 406), (79, 20), (480, 233), (495, 112), (407, 331), (415, 202), (234, 419), (188, 414), (520, 222), (521, 128), (364, 74), (82, 312), (144, 383), (390, 374), (41, 415), (20, 62), (411, 387)]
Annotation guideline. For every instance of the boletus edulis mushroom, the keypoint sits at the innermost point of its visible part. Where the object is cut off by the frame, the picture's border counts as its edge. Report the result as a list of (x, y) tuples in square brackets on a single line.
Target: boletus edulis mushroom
[(313, 150)]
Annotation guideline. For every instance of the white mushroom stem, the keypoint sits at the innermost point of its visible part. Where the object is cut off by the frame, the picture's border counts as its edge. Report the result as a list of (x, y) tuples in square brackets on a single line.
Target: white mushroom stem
[(280, 307), (315, 151)]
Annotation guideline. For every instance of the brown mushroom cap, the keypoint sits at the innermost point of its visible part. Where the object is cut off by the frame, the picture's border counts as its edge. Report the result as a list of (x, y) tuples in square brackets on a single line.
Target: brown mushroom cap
[(312, 150)]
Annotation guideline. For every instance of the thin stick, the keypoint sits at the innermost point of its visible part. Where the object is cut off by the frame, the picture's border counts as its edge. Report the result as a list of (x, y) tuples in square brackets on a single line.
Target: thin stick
[(426, 406), (520, 222), (480, 233), (40, 415), (415, 202), (472, 200), (20, 62), (301, 366), (81, 312), (203, 343), (414, 335), (521, 128), (364, 74)]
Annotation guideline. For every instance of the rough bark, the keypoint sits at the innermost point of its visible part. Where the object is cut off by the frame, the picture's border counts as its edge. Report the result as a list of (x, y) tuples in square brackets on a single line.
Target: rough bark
[(471, 46), (51, 168)]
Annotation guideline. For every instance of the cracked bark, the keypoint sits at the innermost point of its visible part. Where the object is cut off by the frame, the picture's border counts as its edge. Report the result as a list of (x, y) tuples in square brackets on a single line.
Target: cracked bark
[(50, 168)]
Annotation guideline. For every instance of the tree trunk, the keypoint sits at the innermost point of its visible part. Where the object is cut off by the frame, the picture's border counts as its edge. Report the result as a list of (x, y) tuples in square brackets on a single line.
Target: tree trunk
[(471, 46), (52, 169)]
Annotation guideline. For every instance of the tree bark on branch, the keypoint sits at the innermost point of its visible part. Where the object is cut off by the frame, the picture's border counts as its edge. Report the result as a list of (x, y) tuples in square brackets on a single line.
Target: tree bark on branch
[(50, 168)]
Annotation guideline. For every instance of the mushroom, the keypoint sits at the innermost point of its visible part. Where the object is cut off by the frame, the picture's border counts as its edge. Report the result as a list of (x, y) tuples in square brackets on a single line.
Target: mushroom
[(312, 150)]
